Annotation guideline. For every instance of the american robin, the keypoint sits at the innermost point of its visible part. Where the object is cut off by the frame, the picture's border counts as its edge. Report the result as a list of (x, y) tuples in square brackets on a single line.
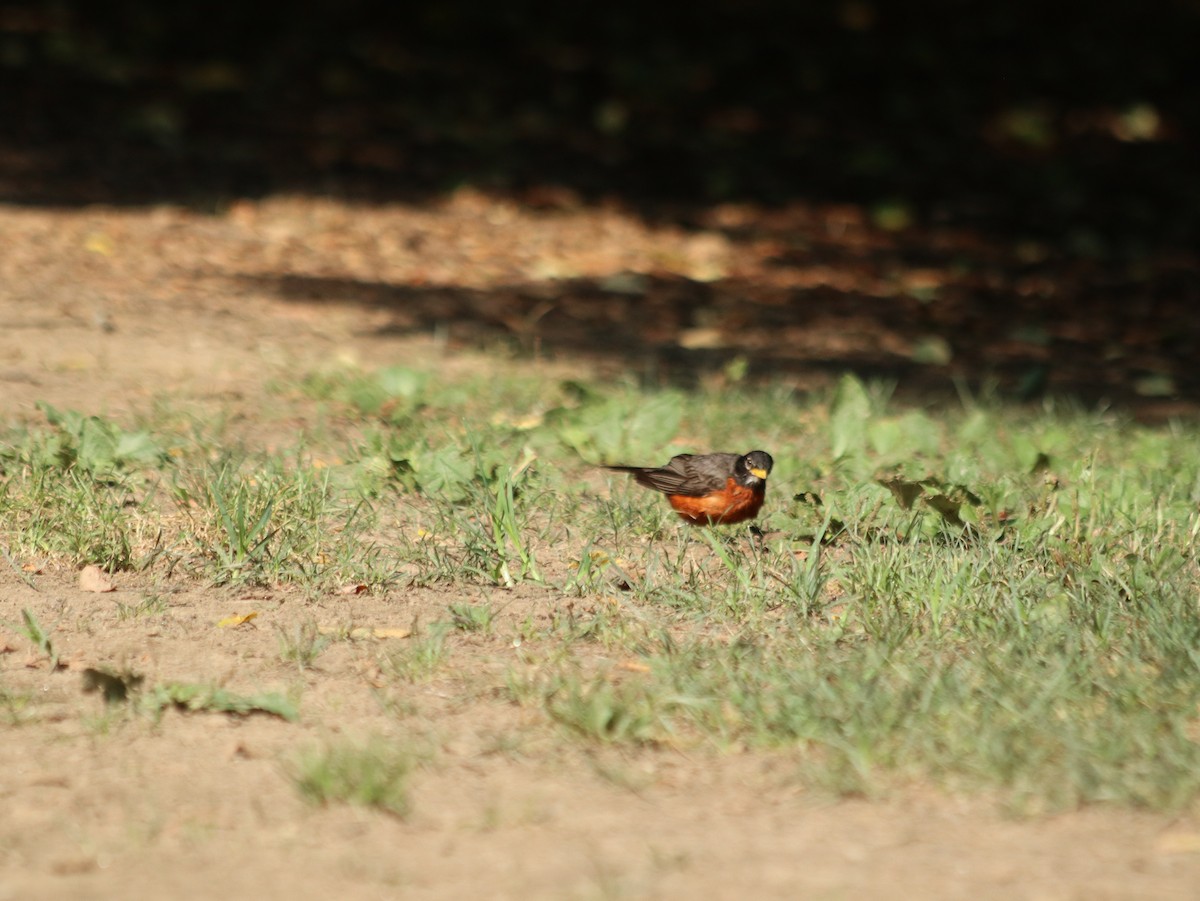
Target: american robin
[(709, 488)]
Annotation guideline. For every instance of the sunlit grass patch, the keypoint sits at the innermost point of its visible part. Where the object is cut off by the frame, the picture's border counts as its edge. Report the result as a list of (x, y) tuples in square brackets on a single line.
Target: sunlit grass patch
[(16, 706), (263, 521), (374, 774), (302, 643), (191, 697), (984, 596), (419, 658)]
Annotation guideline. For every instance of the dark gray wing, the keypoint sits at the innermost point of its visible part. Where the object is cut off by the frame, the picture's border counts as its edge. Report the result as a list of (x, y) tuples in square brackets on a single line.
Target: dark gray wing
[(686, 474)]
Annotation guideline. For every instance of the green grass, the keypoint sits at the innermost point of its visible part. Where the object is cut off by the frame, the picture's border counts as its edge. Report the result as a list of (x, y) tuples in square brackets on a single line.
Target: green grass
[(15, 706), (420, 657), (39, 636), (374, 774), (153, 604), (302, 643), (472, 617), (192, 697), (986, 597), (263, 520)]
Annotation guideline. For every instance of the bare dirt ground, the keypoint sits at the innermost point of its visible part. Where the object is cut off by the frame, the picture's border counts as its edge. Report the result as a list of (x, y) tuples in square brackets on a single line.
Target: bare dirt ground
[(104, 310)]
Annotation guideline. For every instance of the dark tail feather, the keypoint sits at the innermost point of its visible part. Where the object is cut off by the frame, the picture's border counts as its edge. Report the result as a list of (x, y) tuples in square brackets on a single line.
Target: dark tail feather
[(653, 477), (632, 469)]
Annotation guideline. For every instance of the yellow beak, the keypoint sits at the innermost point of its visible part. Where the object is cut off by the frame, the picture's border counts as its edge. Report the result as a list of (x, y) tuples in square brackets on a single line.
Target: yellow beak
[(759, 473)]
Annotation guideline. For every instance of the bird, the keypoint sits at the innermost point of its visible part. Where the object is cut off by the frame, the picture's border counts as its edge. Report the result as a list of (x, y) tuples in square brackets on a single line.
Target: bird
[(709, 489)]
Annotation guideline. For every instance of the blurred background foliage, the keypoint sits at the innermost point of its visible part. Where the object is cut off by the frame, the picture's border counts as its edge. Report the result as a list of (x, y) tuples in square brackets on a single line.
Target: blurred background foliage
[(1064, 119)]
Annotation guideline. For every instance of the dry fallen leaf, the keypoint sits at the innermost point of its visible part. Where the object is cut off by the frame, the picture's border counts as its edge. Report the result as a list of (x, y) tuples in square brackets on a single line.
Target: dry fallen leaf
[(230, 622), (98, 242), (633, 666), (360, 632), (387, 633), (701, 339), (358, 588), (93, 578)]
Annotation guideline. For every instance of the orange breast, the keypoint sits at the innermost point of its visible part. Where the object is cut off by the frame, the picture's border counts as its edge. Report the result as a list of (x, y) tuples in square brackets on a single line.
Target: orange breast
[(733, 503)]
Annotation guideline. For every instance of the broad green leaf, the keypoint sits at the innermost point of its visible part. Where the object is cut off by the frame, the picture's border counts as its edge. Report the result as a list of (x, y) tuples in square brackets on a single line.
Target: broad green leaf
[(398, 381), (849, 415), (911, 434), (444, 472), (196, 698), (620, 429)]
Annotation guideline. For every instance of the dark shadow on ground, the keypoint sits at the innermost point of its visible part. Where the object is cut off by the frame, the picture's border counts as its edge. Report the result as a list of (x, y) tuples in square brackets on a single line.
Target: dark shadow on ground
[(1069, 128), (1071, 122), (1135, 349)]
